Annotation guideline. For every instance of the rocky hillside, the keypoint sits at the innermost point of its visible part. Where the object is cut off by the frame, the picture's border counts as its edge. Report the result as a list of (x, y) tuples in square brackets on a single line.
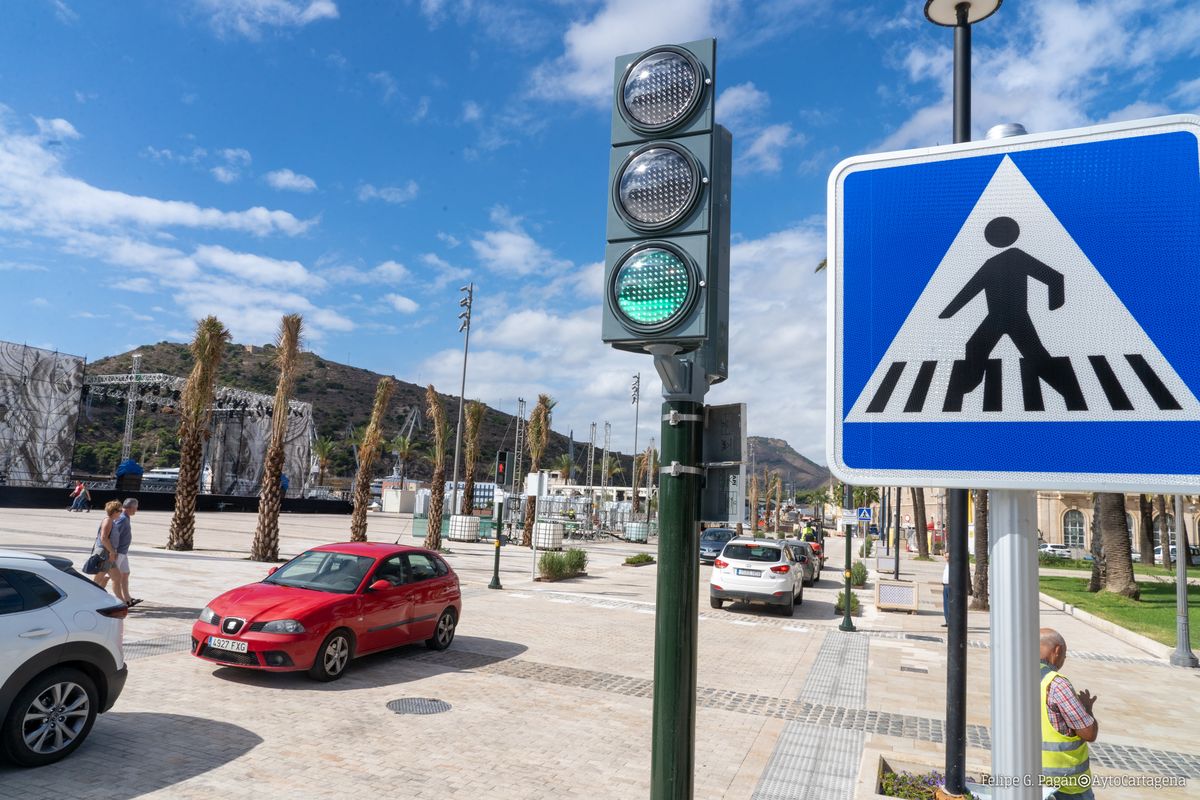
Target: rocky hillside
[(776, 455), (341, 396)]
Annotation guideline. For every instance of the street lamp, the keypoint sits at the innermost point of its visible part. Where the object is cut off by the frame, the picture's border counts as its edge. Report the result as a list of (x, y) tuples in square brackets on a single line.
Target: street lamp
[(636, 399), (465, 327), (961, 15)]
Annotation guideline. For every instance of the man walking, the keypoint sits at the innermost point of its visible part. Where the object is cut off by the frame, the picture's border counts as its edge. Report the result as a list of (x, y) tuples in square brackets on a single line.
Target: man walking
[(1067, 725), (122, 537)]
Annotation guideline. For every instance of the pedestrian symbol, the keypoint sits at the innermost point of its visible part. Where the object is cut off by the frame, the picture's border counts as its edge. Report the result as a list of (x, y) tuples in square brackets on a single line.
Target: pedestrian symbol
[(1010, 312), (864, 515)]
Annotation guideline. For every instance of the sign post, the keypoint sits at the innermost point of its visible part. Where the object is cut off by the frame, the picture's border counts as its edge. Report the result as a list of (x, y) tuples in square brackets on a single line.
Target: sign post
[(1000, 292)]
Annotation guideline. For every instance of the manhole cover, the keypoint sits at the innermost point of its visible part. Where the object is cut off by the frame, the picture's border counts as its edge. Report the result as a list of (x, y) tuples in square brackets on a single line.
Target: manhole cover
[(418, 705)]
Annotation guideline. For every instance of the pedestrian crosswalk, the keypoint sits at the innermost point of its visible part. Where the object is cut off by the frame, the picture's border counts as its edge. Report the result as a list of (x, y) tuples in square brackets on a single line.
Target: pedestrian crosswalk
[(1128, 383)]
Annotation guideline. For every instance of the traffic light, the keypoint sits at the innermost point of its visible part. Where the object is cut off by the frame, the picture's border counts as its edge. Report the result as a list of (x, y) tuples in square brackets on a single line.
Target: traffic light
[(503, 457), (667, 259)]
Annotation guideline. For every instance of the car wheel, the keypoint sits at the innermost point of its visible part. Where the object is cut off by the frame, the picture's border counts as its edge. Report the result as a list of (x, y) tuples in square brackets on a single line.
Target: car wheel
[(800, 599), (333, 656), (50, 717), (788, 608), (715, 602), (443, 634)]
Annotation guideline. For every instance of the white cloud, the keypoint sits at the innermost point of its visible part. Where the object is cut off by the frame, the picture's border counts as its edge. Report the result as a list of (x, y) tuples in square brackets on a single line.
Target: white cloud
[(389, 194), (444, 272), (225, 174), (510, 249), (36, 195), (255, 268), (64, 13), (765, 153), (739, 105), (388, 272), (17, 266), (585, 69), (237, 156), (56, 128), (39, 302), (252, 312), (286, 180), (1055, 67), (386, 84), (401, 303), (1187, 92), (139, 285), (248, 18), (422, 109), (471, 111), (449, 240)]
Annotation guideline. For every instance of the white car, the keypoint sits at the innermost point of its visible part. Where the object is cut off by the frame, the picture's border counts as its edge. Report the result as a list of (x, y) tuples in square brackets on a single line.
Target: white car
[(756, 571), (1057, 551), (61, 661)]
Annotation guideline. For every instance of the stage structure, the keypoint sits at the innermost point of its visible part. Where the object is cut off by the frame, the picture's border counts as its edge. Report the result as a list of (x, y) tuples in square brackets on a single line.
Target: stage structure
[(39, 405), (240, 430)]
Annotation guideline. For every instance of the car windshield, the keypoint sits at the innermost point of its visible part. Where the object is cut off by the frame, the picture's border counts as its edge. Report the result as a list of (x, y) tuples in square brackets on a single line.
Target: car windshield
[(752, 552), (323, 571), (716, 535)]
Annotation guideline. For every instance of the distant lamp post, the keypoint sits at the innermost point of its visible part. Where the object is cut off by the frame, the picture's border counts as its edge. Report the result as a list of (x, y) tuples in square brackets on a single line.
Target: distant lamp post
[(465, 315), (636, 399)]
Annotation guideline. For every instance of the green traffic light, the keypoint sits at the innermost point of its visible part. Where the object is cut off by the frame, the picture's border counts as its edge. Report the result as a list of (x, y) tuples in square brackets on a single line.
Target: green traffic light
[(653, 286)]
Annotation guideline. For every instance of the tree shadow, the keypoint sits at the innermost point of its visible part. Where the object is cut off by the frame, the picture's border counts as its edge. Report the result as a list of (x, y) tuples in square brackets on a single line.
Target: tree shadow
[(385, 668), (123, 755)]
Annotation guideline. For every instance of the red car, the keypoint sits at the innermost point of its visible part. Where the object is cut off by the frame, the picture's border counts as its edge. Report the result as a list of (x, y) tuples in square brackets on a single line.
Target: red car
[(329, 605)]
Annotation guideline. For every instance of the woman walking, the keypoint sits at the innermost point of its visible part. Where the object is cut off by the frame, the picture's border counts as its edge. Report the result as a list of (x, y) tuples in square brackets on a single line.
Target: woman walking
[(109, 539)]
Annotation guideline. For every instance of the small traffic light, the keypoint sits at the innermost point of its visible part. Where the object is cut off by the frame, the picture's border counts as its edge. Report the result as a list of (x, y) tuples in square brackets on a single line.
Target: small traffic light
[(502, 459), (667, 260)]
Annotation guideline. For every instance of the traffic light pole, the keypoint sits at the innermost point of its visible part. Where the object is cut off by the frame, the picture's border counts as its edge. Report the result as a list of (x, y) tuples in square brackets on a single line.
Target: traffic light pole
[(847, 503), (672, 761)]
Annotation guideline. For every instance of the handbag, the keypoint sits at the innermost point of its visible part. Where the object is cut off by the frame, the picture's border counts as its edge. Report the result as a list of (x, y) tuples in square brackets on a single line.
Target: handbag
[(96, 560)]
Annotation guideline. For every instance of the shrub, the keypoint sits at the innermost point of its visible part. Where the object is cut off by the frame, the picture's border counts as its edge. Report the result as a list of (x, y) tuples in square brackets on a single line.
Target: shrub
[(864, 550), (640, 558), (840, 607), (858, 574), (576, 560), (553, 565)]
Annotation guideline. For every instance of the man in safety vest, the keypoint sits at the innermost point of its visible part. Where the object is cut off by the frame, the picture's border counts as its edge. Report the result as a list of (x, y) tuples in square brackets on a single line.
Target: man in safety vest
[(1067, 725)]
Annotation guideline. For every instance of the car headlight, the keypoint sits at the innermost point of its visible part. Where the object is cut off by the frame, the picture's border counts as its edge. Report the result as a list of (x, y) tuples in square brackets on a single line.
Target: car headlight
[(283, 626), (208, 615)]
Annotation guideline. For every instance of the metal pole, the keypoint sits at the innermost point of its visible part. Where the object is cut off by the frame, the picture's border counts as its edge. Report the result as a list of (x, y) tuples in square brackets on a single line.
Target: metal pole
[(1013, 580), (672, 763), (495, 584), (847, 504), (130, 406), (1183, 655), (899, 505), (466, 316), (955, 528)]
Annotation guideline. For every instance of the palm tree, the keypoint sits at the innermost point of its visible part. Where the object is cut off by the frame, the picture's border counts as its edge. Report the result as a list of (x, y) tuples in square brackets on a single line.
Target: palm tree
[(777, 483), (437, 485), (404, 448), (322, 450), (195, 413), (639, 474), (270, 494), (563, 465), (980, 600), (1146, 529), (538, 432), (918, 500), (474, 416), (366, 459), (1164, 533), (1118, 561), (1096, 579), (753, 503)]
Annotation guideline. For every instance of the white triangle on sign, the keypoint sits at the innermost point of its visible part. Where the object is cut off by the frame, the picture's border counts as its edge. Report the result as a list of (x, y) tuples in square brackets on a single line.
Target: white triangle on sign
[(1119, 372)]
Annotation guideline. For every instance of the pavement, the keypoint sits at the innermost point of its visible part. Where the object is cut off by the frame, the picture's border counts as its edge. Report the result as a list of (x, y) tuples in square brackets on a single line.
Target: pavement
[(549, 688)]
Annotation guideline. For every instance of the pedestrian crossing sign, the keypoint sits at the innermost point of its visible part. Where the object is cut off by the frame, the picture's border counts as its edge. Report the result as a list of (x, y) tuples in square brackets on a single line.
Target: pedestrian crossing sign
[(1019, 313)]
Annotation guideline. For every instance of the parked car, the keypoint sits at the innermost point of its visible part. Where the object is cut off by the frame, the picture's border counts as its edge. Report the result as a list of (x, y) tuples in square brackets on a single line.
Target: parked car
[(756, 571), (1193, 554), (711, 542), (802, 554), (330, 605), (818, 547), (61, 661), (1057, 551)]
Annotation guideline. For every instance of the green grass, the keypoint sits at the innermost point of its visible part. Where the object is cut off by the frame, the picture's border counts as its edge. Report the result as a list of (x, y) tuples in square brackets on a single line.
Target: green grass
[(1086, 566), (1152, 616)]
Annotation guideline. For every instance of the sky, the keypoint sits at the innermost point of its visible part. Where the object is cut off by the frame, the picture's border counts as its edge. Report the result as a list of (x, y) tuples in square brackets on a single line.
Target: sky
[(358, 162)]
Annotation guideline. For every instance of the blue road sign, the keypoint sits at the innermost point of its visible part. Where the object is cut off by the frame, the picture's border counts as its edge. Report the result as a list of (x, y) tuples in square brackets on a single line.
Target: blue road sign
[(864, 515), (1019, 313)]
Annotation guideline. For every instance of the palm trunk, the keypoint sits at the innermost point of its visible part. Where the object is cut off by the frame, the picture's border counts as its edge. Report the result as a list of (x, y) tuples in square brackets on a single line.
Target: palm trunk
[(1164, 532), (437, 498), (270, 497), (918, 498), (1146, 534), (1182, 545), (753, 504), (366, 459), (183, 523), (1118, 559), (1096, 581), (638, 470), (980, 600)]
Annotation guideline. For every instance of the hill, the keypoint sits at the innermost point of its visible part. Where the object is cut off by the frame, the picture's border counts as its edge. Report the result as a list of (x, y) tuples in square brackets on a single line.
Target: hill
[(776, 455), (341, 397)]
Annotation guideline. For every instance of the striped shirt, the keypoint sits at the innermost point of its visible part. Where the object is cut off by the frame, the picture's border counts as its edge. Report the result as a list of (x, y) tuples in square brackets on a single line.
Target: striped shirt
[(1066, 713)]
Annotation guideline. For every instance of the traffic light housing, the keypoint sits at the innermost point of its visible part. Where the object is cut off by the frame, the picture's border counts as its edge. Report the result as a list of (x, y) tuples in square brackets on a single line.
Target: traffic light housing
[(503, 464), (667, 259)]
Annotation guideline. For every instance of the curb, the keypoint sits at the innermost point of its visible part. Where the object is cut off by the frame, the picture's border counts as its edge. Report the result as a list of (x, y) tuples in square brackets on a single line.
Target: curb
[(1144, 643)]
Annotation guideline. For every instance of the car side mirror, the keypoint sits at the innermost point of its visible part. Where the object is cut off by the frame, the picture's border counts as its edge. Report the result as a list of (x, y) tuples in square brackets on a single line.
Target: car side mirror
[(379, 585), (272, 571)]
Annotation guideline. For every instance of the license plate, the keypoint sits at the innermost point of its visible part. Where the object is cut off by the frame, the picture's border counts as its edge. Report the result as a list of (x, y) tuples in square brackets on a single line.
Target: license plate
[(226, 644), (750, 573)]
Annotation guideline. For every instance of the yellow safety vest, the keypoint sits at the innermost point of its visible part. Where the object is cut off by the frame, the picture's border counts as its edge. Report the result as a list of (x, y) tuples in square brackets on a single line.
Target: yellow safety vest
[(1064, 758)]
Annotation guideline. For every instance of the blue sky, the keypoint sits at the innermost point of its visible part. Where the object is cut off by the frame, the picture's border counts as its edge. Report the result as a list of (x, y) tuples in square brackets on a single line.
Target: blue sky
[(357, 162)]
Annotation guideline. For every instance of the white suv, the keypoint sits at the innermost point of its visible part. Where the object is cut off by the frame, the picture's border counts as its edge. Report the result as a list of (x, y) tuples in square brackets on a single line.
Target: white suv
[(756, 571), (61, 662)]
